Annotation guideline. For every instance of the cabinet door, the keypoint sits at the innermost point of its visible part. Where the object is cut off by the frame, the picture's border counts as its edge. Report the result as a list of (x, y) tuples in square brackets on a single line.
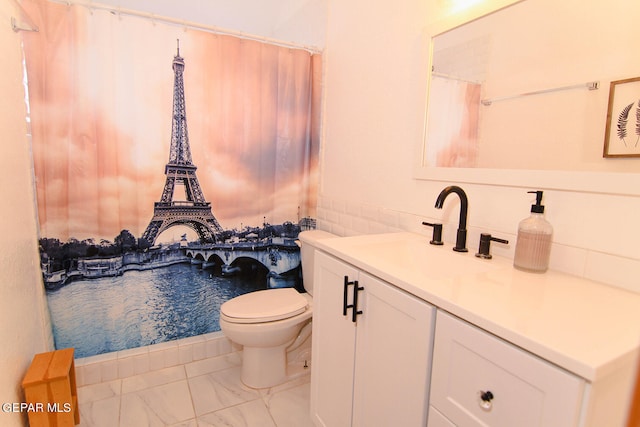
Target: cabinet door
[(436, 419), (333, 344), (525, 391), (393, 356)]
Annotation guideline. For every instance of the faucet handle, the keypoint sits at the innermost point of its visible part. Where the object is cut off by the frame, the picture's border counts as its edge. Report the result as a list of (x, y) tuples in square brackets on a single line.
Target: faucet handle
[(484, 250), (437, 233)]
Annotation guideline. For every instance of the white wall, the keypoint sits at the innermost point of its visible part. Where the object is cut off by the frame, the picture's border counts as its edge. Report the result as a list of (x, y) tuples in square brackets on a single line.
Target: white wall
[(375, 93), (25, 325)]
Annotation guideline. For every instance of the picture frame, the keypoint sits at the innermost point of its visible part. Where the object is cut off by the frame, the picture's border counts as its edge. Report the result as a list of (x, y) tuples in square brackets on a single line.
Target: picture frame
[(622, 135)]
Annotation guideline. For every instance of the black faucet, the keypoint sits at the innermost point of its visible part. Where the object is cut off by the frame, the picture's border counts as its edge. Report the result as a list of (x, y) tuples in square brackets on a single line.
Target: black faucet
[(461, 238)]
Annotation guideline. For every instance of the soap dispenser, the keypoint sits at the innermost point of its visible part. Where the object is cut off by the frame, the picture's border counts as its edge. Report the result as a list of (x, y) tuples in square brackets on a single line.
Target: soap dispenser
[(533, 245)]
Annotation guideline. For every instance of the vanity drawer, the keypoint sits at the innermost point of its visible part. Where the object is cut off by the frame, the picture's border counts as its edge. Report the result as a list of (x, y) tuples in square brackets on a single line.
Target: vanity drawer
[(525, 391)]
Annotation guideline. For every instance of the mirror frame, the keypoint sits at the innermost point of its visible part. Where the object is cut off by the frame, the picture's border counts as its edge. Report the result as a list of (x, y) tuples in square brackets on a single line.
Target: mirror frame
[(623, 183)]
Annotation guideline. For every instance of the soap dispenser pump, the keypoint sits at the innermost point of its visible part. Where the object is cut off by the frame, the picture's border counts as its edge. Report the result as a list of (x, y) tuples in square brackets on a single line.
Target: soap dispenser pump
[(533, 246)]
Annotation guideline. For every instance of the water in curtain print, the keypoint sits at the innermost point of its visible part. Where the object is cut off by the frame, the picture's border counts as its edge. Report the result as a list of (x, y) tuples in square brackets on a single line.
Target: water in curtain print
[(162, 304)]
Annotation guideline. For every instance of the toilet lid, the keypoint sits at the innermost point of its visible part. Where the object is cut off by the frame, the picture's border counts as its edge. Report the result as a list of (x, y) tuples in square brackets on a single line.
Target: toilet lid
[(264, 306)]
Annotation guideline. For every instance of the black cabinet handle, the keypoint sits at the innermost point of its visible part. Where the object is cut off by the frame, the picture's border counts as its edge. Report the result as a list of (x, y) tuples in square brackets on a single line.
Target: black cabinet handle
[(354, 308), (345, 292)]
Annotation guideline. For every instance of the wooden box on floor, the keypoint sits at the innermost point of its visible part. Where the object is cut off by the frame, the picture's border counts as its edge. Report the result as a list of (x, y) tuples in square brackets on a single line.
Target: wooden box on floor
[(50, 390)]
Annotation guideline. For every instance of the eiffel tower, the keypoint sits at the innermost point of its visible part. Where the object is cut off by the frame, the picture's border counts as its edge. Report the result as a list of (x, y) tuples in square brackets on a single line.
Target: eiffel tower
[(195, 212)]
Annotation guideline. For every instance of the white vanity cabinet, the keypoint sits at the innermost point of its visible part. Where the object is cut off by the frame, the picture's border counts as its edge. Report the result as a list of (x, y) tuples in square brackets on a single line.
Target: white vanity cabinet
[(554, 350), (481, 380), (371, 369)]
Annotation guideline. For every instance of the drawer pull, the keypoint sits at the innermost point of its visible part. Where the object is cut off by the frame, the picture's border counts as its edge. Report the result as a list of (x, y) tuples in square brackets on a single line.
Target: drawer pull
[(486, 398)]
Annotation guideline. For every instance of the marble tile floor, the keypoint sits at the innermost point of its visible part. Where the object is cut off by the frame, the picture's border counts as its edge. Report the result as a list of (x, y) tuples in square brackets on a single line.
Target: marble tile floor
[(197, 394)]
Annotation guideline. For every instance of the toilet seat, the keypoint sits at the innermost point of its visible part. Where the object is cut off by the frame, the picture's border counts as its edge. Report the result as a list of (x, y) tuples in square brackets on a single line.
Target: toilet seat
[(264, 306)]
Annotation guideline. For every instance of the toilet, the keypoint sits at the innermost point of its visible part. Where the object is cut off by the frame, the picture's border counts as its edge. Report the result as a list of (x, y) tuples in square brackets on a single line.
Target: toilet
[(267, 322)]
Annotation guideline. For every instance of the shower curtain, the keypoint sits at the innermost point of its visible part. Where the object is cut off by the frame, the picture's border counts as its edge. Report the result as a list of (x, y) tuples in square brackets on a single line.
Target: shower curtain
[(101, 91), (452, 138)]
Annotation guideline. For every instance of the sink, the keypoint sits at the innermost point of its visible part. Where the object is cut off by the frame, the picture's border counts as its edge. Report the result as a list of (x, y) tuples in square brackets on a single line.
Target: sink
[(401, 254)]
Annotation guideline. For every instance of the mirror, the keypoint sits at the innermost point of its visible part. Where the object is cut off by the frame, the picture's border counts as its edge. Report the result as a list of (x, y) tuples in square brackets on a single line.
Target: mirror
[(533, 79)]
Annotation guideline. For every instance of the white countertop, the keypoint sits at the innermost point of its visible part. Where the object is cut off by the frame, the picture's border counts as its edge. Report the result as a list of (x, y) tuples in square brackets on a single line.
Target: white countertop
[(585, 327)]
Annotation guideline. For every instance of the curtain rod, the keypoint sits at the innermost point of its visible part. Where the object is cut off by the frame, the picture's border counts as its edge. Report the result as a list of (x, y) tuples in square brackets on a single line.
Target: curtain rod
[(594, 85), (186, 24), (20, 26), (452, 77)]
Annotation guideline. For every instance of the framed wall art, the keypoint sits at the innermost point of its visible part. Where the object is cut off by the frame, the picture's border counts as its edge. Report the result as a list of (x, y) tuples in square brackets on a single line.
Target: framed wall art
[(622, 136)]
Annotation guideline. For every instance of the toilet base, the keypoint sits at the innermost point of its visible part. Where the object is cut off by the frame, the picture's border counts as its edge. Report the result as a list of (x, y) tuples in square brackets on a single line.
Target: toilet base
[(264, 367)]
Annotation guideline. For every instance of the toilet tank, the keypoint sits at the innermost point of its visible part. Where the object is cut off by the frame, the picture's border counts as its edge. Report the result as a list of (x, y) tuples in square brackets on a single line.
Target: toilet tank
[(308, 241)]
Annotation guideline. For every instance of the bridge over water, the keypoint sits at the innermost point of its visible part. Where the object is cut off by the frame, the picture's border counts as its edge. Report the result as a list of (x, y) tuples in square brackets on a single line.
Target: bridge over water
[(278, 255)]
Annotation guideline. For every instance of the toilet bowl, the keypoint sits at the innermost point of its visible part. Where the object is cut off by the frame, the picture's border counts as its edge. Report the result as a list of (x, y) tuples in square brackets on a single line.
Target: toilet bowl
[(267, 322)]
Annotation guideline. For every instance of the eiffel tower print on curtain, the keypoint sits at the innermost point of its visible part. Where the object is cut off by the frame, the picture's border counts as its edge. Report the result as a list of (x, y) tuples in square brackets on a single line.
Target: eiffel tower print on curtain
[(195, 212)]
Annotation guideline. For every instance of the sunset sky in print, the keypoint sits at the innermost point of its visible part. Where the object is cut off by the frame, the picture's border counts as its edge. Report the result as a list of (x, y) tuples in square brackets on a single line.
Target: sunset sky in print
[(101, 95)]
